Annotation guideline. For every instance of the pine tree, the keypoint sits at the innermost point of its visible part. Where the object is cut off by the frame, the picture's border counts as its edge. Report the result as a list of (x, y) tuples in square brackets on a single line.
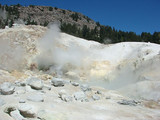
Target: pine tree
[(10, 23)]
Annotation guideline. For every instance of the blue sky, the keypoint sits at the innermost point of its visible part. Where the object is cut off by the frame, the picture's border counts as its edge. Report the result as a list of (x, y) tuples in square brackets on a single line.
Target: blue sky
[(127, 15)]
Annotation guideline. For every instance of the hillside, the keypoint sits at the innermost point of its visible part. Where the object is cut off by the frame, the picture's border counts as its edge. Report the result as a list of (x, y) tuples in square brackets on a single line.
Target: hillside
[(42, 15), (73, 23), (47, 74)]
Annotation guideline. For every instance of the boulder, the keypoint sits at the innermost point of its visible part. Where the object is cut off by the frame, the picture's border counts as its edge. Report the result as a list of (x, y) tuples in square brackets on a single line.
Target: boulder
[(7, 88), (36, 98), (62, 92), (63, 95), (9, 109), (16, 115), (66, 98), (85, 87), (95, 97), (98, 92), (75, 84), (27, 110), (22, 101), (35, 83), (128, 102), (57, 82), (79, 96), (22, 83)]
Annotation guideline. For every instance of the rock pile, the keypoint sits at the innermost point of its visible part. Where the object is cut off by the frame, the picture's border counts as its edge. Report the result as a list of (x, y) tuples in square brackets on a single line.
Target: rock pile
[(35, 98), (34, 90)]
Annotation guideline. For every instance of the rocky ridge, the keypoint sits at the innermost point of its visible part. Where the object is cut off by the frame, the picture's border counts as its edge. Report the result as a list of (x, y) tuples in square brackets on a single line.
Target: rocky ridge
[(42, 15)]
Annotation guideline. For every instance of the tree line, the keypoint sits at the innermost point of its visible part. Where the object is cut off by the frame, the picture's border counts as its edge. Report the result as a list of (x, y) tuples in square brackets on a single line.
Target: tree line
[(107, 34)]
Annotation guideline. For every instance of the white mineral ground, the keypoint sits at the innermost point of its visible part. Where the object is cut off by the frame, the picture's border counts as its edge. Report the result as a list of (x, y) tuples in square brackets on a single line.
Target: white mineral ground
[(49, 75)]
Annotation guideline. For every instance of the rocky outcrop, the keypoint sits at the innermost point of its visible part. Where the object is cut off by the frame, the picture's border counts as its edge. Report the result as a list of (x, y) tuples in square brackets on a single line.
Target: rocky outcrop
[(80, 96), (75, 84), (7, 88), (42, 14), (35, 83), (128, 102), (85, 87), (64, 96), (27, 110), (95, 97), (16, 115)]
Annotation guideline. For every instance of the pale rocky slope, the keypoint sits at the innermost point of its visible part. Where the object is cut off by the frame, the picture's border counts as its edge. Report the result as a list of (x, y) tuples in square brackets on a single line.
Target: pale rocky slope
[(82, 79)]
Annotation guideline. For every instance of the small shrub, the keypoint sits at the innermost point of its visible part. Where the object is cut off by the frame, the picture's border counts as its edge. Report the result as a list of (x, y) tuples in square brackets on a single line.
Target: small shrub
[(50, 8)]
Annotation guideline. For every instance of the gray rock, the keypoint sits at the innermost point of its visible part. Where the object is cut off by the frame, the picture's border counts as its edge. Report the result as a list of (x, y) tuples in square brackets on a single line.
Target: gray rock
[(75, 84), (36, 98), (66, 98), (35, 83), (9, 109), (16, 115), (23, 83), (22, 101), (79, 96), (57, 82), (27, 110), (7, 88), (98, 92), (128, 102), (85, 87), (2, 102), (62, 92), (63, 95), (95, 97)]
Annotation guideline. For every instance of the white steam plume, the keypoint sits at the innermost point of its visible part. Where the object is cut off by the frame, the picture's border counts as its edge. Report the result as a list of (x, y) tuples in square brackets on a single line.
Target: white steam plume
[(54, 54)]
